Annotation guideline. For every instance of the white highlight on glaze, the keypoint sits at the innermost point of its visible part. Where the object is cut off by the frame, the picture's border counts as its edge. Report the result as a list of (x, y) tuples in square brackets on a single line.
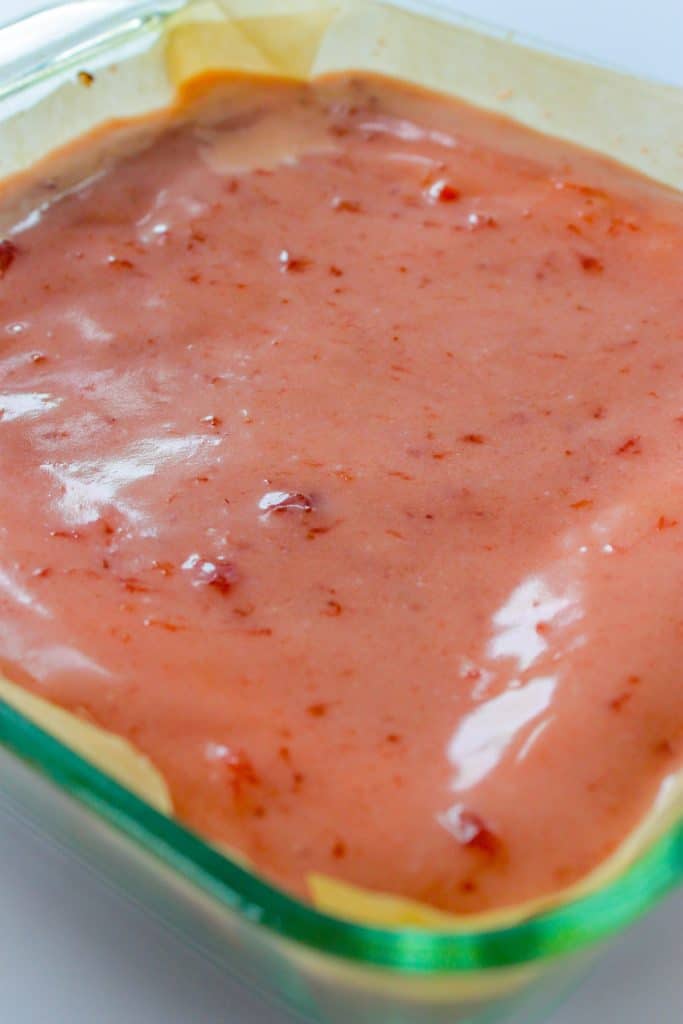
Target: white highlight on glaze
[(482, 678), (26, 403), (217, 751), (90, 485), (154, 225), (89, 329), (19, 594), (272, 499), (532, 738), (266, 142), (35, 215), (16, 362), (515, 624), (483, 736), (30, 220), (413, 158), (458, 823), (408, 131), (62, 658), (191, 561), (204, 566)]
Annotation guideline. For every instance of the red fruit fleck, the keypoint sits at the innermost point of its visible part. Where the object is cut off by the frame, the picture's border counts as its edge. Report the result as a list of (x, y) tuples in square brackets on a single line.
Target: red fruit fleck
[(617, 703), (473, 438), (443, 192), (289, 263), (339, 849), (591, 264), (167, 624), (8, 252), (583, 503), (346, 205), (481, 220), (317, 531), (219, 574), (483, 839), (241, 770), (333, 609), (630, 447), (663, 523), (212, 421), (470, 829), (317, 710), (585, 190), (134, 586), (619, 223)]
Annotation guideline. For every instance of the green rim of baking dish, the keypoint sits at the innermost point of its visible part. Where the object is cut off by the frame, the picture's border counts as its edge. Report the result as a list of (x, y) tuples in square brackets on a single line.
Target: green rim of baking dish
[(563, 930)]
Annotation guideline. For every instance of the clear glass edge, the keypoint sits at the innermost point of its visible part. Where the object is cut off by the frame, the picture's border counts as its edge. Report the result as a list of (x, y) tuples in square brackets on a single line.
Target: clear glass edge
[(109, 25), (569, 928), (566, 929)]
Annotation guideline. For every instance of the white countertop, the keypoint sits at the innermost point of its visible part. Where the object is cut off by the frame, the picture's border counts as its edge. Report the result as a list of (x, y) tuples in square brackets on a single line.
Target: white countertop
[(72, 951)]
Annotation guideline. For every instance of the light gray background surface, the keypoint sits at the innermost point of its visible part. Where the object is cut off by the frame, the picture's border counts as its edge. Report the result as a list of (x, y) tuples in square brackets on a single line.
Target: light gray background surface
[(72, 950)]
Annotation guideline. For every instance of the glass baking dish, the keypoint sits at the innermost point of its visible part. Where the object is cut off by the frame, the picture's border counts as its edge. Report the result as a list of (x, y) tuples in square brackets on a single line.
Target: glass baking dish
[(330, 970)]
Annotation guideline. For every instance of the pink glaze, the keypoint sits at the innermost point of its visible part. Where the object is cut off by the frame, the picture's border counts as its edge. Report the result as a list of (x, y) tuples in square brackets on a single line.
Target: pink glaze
[(341, 471)]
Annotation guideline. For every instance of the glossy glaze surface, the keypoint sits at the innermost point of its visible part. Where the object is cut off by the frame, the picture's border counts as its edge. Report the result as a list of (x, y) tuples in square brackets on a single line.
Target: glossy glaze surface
[(340, 471)]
